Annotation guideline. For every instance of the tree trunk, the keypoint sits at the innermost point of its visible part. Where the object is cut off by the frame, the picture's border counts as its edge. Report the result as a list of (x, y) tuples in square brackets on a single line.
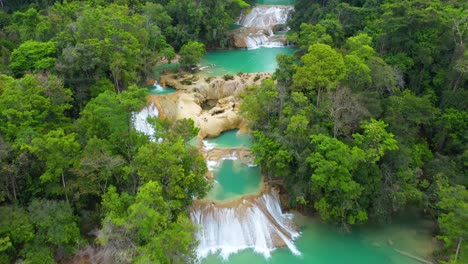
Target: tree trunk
[(64, 187), (458, 248), (318, 96)]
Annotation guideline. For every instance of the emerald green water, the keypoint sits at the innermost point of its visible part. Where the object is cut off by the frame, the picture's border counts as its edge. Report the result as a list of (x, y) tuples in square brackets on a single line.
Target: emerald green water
[(234, 179), (165, 68), (161, 90), (248, 61), (276, 2), (229, 139), (318, 243), (322, 244)]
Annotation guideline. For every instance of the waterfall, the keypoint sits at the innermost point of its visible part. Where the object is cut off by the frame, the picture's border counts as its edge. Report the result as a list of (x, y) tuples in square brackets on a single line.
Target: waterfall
[(158, 87), (140, 120), (258, 26), (255, 222), (266, 16)]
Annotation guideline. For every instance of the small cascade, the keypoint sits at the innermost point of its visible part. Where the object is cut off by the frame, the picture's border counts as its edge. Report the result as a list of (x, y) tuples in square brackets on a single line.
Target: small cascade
[(140, 120), (157, 87), (259, 26), (255, 222)]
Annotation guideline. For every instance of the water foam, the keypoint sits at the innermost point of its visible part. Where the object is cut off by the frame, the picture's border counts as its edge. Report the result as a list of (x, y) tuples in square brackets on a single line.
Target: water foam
[(263, 19), (257, 223), (266, 16), (140, 120)]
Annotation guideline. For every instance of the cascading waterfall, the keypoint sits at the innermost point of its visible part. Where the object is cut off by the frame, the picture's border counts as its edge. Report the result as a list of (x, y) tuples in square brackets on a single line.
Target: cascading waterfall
[(255, 222), (259, 24), (158, 87), (140, 120), (266, 16)]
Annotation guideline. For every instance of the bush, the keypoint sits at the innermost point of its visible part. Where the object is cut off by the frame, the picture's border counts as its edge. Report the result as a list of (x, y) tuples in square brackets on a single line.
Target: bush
[(186, 82), (228, 77), (256, 78)]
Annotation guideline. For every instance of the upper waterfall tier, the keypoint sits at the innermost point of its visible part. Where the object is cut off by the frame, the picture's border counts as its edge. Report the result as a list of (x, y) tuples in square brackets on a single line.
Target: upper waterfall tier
[(266, 16), (251, 222), (259, 26)]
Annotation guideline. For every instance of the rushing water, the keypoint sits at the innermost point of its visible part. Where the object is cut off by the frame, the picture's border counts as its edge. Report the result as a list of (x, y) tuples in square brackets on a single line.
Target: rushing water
[(140, 120), (319, 243), (253, 222), (160, 90), (262, 59), (266, 16), (240, 228)]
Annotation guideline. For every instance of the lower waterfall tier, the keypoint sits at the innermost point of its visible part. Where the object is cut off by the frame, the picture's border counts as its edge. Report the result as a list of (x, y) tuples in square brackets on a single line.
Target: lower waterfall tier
[(255, 222)]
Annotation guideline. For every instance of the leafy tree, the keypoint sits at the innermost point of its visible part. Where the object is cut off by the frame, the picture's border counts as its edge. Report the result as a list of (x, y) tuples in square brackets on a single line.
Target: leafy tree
[(261, 105), (375, 140), (55, 225), (406, 113), (143, 228), (322, 68), (23, 118), (33, 56), (16, 229), (179, 170), (332, 185), (310, 34), (358, 73), (191, 53), (453, 219), (58, 151)]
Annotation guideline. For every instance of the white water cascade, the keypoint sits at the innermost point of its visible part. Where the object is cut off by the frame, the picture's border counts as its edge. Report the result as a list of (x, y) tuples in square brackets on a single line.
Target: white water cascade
[(140, 120), (157, 87), (255, 222), (259, 24), (266, 16)]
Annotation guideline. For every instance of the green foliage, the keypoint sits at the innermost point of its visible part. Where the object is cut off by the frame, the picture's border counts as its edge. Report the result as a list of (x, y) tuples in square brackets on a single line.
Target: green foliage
[(179, 170), (453, 218), (311, 34), (375, 140), (56, 224), (23, 118), (191, 53), (406, 112), (228, 77), (35, 234), (16, 229), (358, 73), (33, 56), (332, 185), (261, 104), (322, 68), (156, 234)]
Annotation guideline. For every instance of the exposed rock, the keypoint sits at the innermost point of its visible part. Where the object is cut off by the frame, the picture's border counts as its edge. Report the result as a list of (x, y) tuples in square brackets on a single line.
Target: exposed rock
[(187, 101), (217, 154), (215, 88)]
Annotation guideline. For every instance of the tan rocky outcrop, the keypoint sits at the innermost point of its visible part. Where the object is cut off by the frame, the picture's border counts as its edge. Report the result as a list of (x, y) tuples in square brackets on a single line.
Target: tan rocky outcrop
[(214, 87), (187, 101)]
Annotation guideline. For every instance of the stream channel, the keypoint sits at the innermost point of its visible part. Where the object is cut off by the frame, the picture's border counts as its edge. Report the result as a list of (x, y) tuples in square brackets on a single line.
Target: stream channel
[(241, 220)]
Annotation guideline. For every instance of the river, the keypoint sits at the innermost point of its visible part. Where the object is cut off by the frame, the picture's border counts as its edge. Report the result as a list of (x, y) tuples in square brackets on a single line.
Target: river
[(241, 220)]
